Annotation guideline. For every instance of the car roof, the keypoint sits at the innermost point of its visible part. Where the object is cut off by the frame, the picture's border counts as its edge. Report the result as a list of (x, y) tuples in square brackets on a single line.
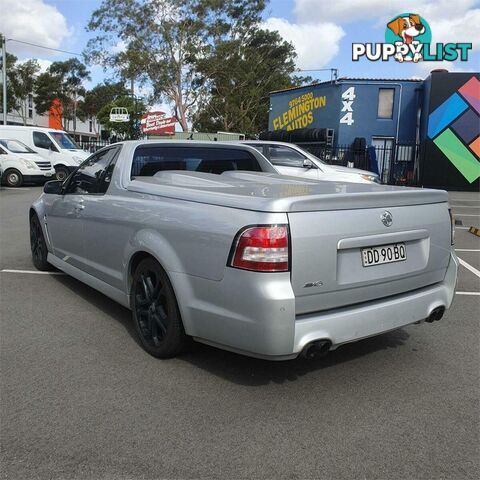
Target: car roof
[(199, 143), (31, 127), (267, 142)]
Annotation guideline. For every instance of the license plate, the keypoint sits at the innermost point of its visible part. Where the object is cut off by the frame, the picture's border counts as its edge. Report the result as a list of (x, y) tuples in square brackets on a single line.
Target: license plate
[(396, 252)]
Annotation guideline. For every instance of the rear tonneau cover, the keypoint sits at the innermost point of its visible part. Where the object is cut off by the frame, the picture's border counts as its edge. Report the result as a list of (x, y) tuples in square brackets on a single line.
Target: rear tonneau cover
[(268, 192)]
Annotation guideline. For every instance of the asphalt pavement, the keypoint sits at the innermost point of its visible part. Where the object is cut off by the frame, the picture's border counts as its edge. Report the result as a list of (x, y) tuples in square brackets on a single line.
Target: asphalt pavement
[(81, 400)]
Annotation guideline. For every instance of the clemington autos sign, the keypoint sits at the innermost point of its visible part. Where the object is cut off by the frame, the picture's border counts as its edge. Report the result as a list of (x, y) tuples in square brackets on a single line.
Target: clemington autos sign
[(157, 123)]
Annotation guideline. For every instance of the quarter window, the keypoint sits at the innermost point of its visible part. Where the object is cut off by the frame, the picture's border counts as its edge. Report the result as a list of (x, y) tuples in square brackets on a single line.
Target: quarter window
[(149, 160), (385, 102)]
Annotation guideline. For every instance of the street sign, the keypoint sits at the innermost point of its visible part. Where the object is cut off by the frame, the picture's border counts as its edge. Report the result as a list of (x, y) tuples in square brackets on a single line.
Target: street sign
[(158, 123)]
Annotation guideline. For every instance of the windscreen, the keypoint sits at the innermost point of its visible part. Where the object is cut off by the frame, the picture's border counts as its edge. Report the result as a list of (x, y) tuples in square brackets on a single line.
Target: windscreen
[(148, 160), (15, 146), (64, 141)]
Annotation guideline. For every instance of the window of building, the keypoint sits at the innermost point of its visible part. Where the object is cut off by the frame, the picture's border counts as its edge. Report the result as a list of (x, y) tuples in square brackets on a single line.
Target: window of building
[(30, 106), (90, 126), (385, 102)]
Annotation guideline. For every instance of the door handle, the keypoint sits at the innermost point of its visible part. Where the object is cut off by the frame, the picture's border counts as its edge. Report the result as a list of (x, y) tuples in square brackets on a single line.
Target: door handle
[(79, 206)]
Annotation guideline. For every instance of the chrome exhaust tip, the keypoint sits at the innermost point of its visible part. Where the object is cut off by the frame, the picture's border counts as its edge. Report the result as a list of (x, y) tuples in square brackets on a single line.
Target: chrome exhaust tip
[(318, 348)]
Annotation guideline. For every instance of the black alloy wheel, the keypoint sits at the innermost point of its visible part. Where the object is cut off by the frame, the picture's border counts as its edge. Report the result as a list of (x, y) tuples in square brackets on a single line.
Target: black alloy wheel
[(155, 311), (38, 245)]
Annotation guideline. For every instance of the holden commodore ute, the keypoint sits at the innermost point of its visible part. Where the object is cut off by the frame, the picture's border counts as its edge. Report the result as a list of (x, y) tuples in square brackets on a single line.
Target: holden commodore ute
[(206, 241)]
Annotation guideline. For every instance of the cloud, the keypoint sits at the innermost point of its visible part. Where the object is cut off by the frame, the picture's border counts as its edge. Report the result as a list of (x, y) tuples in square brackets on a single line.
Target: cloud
[(32, 21), (424, 68), (346, 11), (315, 45), (44, 64)]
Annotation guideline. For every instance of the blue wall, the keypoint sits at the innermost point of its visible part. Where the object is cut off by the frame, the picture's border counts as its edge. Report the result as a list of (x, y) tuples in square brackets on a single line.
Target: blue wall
[(362, 121)]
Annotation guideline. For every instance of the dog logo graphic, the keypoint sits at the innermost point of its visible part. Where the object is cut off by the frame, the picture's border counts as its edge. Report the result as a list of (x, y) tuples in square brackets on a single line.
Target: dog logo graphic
[(409, 31)]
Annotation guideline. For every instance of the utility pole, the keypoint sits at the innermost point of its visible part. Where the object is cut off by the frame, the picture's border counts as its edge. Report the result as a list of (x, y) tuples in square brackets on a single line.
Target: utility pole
[(4, 75)]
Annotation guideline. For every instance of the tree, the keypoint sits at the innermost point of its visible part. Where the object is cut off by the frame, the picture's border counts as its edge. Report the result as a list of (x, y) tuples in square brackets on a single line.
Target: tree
[(62, 81), (123, 129), (162, 41), (11, 62), (22, 80), (99, 97), (239, 74)]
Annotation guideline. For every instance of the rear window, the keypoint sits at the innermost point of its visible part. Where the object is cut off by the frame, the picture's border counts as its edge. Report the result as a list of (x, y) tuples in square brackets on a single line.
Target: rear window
[(148, 160)]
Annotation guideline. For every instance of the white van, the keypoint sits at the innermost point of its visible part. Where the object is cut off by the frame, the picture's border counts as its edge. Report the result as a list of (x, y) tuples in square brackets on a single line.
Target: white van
[(53, 145), (19, 164)]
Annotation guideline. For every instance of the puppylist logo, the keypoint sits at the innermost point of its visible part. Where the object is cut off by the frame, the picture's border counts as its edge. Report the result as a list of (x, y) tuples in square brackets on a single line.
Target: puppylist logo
[(408, 38)]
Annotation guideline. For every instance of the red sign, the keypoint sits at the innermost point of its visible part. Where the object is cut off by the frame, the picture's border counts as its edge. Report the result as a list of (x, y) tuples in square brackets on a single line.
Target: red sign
[(158, 123)]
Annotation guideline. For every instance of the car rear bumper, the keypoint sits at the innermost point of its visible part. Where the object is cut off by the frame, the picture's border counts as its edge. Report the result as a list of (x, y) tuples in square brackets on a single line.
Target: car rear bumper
[(254, 314), (372, 318)]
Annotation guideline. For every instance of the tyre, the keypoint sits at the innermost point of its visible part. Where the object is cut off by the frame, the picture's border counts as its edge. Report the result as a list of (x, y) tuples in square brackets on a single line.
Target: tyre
[(155, 311), (13, 178), (61, 173), (38, 245)]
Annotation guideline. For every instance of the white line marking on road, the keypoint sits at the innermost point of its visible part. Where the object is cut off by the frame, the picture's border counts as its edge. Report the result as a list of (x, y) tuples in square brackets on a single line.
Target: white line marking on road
[(466, 215), (465, 206), (15, 189), (467, 249), (34, 272), (467, 293), (461, 228), (469, 267), (462, 200)]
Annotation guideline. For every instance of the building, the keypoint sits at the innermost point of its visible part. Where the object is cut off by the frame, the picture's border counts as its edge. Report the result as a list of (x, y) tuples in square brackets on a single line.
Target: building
[(84, 130), (396, 117)]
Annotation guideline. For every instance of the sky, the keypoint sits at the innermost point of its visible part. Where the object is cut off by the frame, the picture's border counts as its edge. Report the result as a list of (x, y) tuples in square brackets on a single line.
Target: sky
[(322, 32)]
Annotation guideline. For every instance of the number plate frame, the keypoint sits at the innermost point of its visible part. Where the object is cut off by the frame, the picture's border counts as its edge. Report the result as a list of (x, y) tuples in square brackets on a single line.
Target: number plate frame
[(372, 256)]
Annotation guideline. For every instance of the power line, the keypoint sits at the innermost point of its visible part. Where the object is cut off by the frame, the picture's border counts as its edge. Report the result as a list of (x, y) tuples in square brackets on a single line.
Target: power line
[(42, 46)]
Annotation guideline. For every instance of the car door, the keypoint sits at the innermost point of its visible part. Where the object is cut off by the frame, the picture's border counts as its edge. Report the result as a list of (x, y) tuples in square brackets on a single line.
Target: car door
[(104, 231), (65, 221), (290, 162)]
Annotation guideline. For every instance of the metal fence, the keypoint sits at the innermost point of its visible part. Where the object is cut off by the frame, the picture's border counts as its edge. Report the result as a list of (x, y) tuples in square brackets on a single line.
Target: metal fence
[(92, 145), (397, 164)]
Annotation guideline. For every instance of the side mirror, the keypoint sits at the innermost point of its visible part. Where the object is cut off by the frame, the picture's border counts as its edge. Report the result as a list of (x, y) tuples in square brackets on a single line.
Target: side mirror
[(54, 187), (307, 163)]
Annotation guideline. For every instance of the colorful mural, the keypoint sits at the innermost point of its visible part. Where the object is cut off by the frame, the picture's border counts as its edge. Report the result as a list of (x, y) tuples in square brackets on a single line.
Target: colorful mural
[(454, 127)]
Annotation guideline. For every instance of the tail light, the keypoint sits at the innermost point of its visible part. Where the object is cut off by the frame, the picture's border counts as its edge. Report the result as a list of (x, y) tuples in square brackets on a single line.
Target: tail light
[(261, 249), (452, 227)]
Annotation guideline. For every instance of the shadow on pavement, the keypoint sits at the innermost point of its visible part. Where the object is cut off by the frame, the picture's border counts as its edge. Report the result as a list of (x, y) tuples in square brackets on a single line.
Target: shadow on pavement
[(255, 372), (238, 368)]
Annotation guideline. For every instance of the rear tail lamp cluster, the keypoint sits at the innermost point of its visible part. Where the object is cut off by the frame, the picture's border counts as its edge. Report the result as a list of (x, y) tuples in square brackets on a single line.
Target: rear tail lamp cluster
[(261, 249)]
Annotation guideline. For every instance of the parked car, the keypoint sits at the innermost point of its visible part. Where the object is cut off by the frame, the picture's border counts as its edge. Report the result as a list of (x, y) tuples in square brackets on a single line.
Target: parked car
[(20, 164), (205, 240), (290, 159), (55, 146)]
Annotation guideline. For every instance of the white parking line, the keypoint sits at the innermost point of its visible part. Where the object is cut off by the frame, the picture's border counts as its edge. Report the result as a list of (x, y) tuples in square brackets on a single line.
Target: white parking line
[(469, 267), (468, 293), (466, 214), (467, 249), (465, 206), (34, 272), (463, 200)]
